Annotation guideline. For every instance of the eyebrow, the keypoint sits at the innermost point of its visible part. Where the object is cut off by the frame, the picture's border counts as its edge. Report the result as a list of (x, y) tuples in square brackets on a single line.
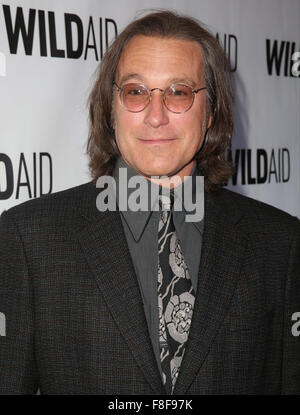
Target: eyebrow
[(182, 80), (128, 76)]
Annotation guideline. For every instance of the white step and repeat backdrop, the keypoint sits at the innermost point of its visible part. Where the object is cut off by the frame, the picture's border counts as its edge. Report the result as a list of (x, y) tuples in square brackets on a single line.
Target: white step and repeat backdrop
[(49, 50)]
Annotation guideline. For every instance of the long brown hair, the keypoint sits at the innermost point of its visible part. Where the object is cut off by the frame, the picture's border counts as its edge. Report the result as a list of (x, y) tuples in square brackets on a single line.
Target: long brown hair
[(212, 158)]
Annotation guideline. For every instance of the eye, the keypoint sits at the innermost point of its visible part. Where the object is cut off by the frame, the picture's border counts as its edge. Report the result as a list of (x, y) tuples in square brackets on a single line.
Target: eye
[(180, 91), (134, 90)]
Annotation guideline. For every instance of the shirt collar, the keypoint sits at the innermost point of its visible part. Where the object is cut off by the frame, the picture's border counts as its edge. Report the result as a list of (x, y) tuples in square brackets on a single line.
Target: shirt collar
[(137, 220)]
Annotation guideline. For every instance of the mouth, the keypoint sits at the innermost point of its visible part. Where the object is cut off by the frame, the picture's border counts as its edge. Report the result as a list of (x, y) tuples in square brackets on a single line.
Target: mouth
[(156, 141)]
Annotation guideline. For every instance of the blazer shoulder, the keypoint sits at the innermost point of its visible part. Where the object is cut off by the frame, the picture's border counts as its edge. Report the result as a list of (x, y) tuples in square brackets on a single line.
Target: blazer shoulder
[(255, 214), (62, 206)]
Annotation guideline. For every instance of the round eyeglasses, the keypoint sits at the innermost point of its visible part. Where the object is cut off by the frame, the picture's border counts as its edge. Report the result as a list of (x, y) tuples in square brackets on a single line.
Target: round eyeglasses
[(177, 98)]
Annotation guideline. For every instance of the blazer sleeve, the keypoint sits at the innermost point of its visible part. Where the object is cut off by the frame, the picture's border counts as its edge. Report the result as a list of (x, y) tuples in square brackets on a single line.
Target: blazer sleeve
[(18, 371), (291, 337)]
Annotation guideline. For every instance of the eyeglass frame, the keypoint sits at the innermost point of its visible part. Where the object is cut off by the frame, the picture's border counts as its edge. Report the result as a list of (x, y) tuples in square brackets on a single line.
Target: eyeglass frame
[(194, 91)]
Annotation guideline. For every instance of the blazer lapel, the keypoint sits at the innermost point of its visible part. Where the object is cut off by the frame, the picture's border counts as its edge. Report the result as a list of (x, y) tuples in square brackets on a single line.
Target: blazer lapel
[(221, 257), (104, 244)]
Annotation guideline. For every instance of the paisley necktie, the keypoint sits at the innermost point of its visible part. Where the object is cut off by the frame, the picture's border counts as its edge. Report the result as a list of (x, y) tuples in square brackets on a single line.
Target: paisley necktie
[(175, 296)]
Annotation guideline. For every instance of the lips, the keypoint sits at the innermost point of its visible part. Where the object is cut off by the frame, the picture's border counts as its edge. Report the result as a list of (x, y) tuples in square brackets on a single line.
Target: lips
[(159, 140)]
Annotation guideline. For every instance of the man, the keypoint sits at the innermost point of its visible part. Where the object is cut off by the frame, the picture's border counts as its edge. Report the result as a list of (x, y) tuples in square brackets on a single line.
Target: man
[(93, 299)]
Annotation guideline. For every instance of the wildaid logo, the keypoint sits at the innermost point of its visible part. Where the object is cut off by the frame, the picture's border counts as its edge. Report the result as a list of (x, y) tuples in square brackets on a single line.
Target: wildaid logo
[(261, 166), (229, 43), (282, 58), (80, 37), (30, 176)]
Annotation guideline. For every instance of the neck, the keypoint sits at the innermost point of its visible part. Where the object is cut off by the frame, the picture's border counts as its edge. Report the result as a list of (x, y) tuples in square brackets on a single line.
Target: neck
[(174, 179)]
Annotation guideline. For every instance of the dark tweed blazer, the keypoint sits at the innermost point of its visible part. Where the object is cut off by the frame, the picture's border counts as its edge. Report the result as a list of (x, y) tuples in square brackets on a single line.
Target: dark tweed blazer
[(75, 322)]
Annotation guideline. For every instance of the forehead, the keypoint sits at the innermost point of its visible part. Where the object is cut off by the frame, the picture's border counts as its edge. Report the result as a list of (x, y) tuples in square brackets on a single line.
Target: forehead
[(156, 59)]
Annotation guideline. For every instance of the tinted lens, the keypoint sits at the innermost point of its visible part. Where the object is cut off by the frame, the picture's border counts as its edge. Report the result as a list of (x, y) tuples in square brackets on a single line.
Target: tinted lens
[(178, 98), (135, 97)]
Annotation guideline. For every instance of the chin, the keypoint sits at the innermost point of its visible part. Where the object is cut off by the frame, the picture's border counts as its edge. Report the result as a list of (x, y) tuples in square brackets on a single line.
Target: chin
[(158, 171)]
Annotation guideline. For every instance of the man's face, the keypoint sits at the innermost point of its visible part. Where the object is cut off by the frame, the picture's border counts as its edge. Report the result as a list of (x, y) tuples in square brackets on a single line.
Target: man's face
[(155, 141)]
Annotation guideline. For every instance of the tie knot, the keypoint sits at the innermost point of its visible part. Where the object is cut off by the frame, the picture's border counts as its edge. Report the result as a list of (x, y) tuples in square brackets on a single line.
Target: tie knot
[(166, 202)]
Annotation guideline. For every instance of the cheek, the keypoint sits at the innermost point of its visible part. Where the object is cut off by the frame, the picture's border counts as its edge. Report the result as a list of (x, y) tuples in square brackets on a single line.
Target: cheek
[(126, 123), (192, 129), (125, 128)]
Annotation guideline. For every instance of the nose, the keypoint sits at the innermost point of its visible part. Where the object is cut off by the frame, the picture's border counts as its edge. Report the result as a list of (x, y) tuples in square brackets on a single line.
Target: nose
[(156, 114)]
